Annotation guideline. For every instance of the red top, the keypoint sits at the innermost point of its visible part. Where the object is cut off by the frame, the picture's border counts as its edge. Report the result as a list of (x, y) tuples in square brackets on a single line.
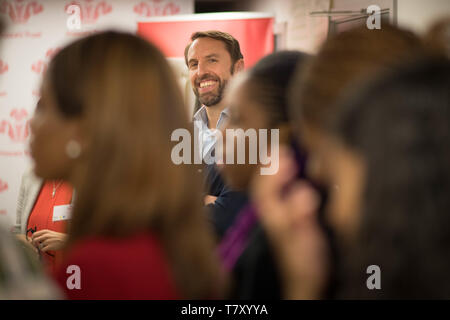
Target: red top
[(41, 217), (125, 268)]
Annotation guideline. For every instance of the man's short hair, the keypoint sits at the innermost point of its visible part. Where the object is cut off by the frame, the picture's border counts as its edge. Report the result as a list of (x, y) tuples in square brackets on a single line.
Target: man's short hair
[(231, 43)]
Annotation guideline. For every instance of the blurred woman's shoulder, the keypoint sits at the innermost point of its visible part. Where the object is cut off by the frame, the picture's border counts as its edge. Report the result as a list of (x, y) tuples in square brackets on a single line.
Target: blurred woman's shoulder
[(132, 267)]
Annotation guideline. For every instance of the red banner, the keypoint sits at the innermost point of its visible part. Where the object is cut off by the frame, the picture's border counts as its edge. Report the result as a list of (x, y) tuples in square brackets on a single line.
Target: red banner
[(255, 35)]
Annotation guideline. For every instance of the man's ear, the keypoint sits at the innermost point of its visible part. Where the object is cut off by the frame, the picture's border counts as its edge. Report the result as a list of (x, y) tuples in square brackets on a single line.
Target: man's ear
[(238, 66)]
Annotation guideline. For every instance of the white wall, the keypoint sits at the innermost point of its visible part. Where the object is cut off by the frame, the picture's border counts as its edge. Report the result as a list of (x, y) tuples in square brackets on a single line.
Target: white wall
[(418, 15), (296, 29), (305, 33)]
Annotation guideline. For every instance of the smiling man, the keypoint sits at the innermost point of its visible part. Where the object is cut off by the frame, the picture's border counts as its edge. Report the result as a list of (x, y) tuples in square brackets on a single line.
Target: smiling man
[(212, 57)]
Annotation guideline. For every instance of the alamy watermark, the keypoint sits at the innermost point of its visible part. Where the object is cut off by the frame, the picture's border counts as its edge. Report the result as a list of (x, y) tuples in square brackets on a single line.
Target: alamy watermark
[(74, 19), (74, 280), (374, 280), (374, 19), (235, 139)]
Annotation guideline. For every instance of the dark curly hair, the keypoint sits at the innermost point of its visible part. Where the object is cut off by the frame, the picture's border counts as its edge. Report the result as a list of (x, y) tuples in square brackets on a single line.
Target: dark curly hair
[(401, 126), (270, 79)]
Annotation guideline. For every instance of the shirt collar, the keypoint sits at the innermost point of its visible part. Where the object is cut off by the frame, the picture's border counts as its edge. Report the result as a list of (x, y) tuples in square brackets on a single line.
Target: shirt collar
[(225, 112), (201, 115)]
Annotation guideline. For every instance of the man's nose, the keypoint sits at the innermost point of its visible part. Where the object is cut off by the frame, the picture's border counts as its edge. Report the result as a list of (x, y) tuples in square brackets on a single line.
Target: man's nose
[(201, 69)]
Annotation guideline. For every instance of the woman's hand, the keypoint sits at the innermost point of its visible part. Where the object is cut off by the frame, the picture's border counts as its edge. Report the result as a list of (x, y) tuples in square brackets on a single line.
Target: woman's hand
[(47, 240), (289, 217), (26, 242)]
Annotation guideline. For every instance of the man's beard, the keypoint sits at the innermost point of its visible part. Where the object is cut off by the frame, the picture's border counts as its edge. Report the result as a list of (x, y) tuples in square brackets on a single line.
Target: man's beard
[(211, 98)]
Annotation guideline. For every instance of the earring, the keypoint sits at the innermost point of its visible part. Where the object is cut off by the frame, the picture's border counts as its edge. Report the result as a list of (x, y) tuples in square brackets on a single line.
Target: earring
[(73, 149)]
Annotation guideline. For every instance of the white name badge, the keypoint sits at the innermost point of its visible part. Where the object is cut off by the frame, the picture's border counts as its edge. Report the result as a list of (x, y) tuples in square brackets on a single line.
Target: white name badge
[(61, 213)]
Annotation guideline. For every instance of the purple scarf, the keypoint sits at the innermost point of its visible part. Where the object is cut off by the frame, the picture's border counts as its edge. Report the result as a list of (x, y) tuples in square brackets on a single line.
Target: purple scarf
[(236, 238)]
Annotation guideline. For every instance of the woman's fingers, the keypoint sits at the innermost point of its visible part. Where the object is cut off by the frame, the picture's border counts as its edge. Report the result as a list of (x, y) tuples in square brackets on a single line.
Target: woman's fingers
[(302, 203), (55, 242), (40, 232), (268, 189), (48, 245), (42, 237), (271, 185)]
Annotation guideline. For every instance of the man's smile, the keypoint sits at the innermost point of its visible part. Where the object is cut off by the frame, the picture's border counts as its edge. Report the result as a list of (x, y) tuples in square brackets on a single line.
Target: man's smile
[(207, 86)]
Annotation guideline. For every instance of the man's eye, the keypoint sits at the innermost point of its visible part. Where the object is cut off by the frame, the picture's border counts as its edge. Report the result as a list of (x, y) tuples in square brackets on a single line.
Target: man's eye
[(193, 65)]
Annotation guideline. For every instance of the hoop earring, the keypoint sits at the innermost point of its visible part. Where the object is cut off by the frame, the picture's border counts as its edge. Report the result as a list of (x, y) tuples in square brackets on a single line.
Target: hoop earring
[(73, 149)]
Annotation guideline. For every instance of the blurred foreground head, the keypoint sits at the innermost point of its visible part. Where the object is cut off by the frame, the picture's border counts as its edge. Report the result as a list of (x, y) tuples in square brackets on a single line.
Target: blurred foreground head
[(341, 65), (437, 38), (343, 62), (108, 107), (399, 127), (257, 99)]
